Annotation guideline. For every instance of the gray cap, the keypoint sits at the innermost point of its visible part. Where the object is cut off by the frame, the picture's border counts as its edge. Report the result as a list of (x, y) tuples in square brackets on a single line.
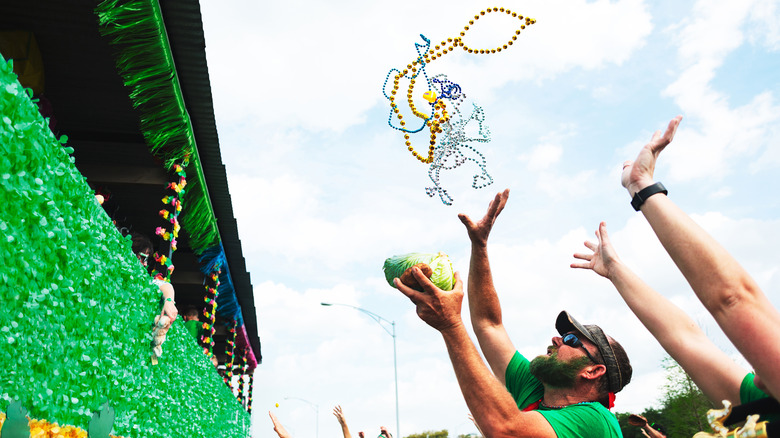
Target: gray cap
[(618, 367)]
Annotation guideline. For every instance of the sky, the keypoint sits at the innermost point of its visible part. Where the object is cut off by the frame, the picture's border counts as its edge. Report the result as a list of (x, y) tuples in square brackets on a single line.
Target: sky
[(324, 190)]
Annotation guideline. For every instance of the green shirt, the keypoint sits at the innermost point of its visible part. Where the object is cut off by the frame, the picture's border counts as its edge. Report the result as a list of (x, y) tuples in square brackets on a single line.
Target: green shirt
[(748, 392), (193, 326), (579, 420)]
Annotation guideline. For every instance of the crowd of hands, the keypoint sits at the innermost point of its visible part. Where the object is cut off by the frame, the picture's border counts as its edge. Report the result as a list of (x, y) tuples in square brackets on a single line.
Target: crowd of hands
[(726, 290), (339, 413)]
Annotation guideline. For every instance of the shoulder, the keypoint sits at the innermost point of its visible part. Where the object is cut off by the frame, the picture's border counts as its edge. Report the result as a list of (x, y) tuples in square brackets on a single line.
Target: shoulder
[(523, 386), (583, 420)]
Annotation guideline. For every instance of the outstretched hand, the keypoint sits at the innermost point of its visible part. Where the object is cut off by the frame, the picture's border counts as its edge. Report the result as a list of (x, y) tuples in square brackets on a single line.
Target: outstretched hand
[(479, 232), (637, 420), (439, 309), (339, 415), (278, 428), (603, 259), (638, 174)]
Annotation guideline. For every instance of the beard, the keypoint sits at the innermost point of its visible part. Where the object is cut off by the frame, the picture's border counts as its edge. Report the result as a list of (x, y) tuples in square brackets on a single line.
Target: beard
[(556, 373)]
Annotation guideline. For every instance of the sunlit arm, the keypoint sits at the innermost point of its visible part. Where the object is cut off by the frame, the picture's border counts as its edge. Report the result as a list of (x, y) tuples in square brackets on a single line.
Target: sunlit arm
[(710, 368), (484, 306), (492, 406), (733, 298)]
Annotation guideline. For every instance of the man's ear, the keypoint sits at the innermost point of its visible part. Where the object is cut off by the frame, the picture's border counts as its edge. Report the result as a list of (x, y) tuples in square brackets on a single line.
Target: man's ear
[(592, 372)]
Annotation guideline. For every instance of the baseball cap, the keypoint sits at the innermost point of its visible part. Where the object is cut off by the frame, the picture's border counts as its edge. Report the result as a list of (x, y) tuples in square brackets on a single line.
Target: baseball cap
[(615, 358)]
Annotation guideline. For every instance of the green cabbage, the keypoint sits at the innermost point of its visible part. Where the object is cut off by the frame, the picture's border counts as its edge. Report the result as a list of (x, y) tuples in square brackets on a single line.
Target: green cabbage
[(441, 265)]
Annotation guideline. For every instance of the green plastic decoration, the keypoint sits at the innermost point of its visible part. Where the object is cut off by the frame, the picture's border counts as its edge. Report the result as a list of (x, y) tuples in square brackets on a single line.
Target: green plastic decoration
[(16, 424), (77, 306), (102, 422), (440, 263), (137, 31)]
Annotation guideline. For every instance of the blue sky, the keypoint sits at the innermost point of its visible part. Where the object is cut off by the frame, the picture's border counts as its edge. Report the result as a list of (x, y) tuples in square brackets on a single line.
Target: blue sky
[(324, 190)]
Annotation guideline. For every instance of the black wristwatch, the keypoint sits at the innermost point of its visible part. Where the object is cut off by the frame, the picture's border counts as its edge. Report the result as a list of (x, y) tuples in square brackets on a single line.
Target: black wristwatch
[(641, 196)]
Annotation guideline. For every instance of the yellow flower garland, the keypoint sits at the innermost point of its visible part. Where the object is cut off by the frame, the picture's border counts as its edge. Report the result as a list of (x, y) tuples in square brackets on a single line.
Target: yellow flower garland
[(44, 429)]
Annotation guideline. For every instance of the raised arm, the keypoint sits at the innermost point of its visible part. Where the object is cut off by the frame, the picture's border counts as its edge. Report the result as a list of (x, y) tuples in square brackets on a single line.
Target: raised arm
[(493, 407), (342, 421), (278, 427), (711, 369), (484, 306), (733, 298), (647, 430)]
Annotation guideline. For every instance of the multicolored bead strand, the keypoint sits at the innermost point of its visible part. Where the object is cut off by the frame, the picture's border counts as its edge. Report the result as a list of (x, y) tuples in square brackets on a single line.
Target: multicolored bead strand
[(249, 398), (241, 373), (163, 269), (451, 150), (230, 353), (210, 311)]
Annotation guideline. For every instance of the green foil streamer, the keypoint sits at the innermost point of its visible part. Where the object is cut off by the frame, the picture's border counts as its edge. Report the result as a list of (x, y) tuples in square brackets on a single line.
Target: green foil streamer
[(136, 29)]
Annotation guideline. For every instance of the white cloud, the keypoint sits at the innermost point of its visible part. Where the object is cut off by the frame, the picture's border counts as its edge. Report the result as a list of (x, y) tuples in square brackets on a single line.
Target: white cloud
[(321, 66), (714, 133), (542, 156), (765, 16), (713, 31)]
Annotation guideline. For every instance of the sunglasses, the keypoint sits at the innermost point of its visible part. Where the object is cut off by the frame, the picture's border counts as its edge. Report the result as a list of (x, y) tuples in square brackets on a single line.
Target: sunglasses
[(143, 257), (573, 341)]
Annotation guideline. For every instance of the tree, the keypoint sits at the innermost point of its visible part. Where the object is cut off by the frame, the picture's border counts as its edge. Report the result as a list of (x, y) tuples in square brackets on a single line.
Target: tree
[(683, 409), (684, 405), (431, 434)]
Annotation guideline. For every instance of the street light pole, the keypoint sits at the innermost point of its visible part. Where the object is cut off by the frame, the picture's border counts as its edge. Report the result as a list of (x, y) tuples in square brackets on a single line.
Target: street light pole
[(379, 321), (316, 413)]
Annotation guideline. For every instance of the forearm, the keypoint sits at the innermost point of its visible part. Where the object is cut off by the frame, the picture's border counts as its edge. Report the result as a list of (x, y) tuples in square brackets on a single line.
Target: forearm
[(484, 306), (167, 291), (652, 433), (492, 406), (726, 290), (667, 322), (709, 367), (721, 284), (345, 430)]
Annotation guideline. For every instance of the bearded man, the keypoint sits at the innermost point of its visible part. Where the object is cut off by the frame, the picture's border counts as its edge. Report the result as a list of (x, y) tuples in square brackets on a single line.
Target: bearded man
[(565, 393)]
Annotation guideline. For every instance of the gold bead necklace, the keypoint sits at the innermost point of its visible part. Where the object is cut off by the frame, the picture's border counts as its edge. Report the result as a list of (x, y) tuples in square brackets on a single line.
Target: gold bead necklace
[(439, 116)]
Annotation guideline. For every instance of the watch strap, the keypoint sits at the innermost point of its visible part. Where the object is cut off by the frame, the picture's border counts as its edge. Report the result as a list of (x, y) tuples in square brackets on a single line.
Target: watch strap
[(641, 196)]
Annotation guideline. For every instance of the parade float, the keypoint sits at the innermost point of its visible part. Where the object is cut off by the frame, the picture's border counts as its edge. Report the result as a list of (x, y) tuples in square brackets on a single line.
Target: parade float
[(107, 129)]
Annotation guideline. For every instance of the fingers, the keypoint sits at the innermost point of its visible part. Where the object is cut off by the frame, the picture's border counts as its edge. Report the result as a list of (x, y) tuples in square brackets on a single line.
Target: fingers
[(582, 256), (601, 233), (625, 176), (423, 281), (457, 286), (466, 220), (672, 128), (497, 204), (662, 141), (410, 293), (580, 265), (501, 200)]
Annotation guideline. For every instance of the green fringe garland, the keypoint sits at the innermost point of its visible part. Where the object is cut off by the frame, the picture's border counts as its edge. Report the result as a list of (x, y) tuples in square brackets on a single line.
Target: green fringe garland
[(144, 60), (197, 217)]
